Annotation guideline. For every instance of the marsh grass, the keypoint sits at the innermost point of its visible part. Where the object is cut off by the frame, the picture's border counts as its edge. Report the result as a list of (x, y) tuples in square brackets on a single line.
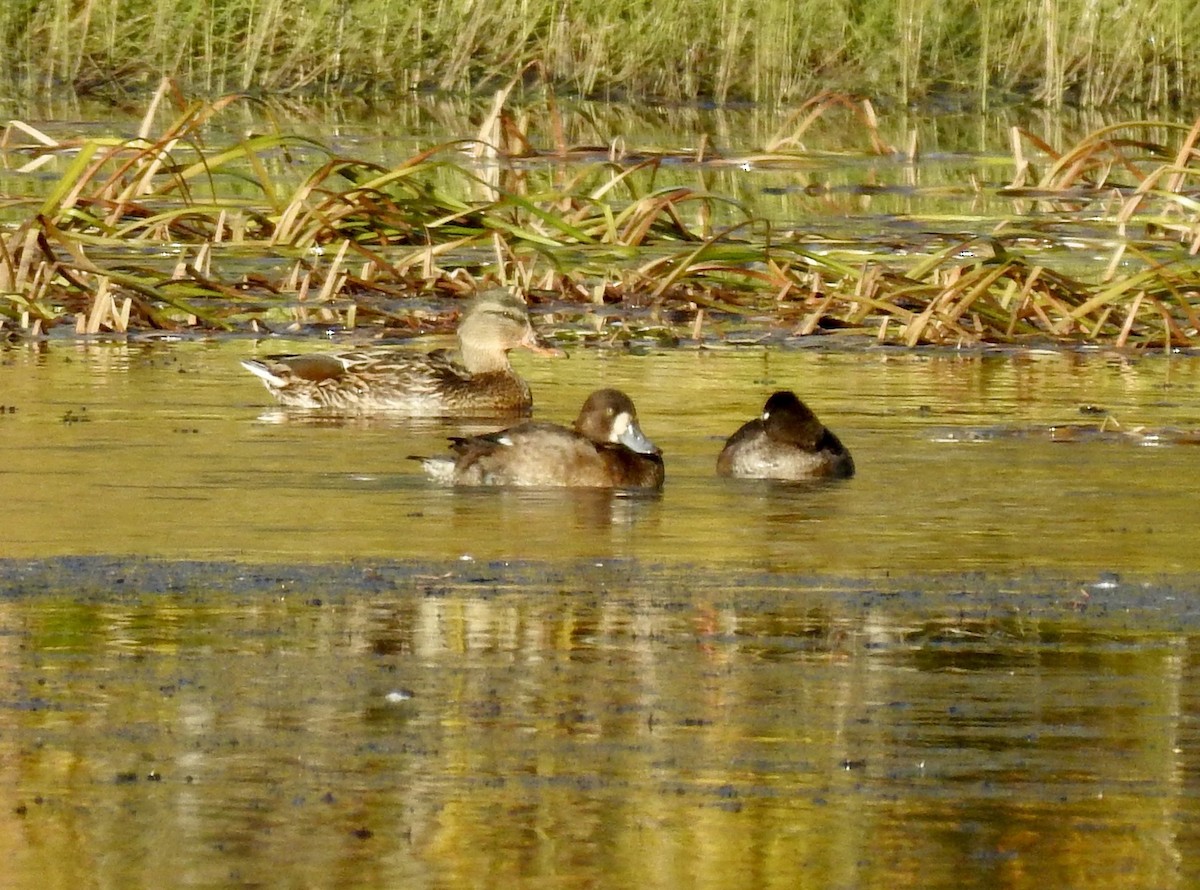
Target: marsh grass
[(1084, 52), (163, 231)]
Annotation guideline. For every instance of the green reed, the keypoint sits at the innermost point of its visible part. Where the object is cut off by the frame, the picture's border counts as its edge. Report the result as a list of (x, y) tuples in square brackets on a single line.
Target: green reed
[(162, 231), (1084, 52)]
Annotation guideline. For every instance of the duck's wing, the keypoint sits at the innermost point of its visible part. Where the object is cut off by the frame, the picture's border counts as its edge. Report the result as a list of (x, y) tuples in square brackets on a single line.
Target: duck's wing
[(519, 438), (830, 443), (284, 370), (838, 459), (404, 376), (318, 367), (383, 361), (529, 454)]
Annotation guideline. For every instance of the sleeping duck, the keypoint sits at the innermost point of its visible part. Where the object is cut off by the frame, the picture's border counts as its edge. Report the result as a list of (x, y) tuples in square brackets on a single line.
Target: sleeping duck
[(786, 442)]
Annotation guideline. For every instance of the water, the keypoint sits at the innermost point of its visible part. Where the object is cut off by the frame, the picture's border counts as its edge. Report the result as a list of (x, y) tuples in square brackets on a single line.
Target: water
[(426, 727), (240, 647), (175, 452)]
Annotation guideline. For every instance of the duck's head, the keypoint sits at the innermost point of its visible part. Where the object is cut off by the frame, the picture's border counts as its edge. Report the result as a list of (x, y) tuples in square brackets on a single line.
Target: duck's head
[(787, 419), (493, 324), (608, 416)]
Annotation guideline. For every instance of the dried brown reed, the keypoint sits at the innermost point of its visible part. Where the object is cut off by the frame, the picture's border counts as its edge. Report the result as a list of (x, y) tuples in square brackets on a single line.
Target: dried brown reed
[(159, 231)]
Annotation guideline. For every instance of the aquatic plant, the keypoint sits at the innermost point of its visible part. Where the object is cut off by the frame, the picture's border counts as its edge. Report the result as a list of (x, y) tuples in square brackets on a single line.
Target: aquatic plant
[(1086, 52), (164, 231)]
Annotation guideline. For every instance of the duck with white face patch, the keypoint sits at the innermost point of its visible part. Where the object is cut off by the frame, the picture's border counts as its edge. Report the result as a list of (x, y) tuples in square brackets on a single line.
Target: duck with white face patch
[(605, 448)]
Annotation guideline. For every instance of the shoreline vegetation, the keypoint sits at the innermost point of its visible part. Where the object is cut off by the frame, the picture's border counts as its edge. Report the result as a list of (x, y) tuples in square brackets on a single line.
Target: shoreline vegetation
[(278, 232), (1084, 53)]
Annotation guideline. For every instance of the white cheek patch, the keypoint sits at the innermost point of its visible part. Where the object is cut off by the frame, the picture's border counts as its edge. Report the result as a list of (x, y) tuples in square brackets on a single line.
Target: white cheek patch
[(505, 440), (620, 425), (766, 415)]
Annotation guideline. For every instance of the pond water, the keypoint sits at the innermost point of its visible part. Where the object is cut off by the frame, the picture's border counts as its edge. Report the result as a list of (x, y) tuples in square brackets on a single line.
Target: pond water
[(242, 647), (174, 451)]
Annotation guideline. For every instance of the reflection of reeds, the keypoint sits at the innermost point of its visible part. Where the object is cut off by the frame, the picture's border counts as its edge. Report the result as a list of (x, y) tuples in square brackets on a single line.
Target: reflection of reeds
[(149, 232)]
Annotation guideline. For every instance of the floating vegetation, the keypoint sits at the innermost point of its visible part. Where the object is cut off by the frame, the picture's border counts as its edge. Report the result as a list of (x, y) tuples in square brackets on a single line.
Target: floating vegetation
[(1109, 432), (165, 232)]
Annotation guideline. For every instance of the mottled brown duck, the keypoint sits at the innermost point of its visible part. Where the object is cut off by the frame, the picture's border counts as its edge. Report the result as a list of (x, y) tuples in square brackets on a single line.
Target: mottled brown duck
[(474, 380)]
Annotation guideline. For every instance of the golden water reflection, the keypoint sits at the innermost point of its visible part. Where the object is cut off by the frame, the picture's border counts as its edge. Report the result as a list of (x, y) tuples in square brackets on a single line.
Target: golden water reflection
[(592, 726)]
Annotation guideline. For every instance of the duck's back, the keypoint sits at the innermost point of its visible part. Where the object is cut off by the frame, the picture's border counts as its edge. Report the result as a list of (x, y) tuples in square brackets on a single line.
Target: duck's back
[(385, 379), (437, 384), (538, 454)]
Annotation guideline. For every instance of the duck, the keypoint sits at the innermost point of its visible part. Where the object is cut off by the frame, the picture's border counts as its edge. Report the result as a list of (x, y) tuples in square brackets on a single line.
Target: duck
[(787, 442), (605, 448), (476, 380)]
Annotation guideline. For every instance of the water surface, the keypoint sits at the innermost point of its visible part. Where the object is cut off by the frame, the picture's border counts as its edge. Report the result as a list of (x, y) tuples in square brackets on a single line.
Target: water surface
[(212, 725), (176, 452), (246, 647)]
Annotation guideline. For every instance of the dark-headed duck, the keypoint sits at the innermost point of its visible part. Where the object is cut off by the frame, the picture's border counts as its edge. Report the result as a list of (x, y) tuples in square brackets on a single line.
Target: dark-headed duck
[(786, 442), (605, 449)]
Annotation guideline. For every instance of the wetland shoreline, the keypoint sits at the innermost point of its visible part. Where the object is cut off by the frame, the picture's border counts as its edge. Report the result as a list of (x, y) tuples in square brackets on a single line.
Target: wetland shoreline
[(174, 230), (1128, 599)]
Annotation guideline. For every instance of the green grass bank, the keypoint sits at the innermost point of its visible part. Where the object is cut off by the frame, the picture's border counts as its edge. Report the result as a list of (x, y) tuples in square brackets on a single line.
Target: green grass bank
[(1074, 52)]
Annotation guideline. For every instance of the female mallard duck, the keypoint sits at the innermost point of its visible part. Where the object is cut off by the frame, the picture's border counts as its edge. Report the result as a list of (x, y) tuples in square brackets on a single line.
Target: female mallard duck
[(787, 442), (474, 381), (605, 449)]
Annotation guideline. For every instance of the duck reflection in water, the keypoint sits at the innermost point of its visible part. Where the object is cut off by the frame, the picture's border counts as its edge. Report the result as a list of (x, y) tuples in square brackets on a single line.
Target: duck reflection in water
[(606, 448), (787, 442)]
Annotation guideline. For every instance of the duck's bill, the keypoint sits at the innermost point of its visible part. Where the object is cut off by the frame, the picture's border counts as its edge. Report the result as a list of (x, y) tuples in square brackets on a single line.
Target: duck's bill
[(635, 440), (540, 346)]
